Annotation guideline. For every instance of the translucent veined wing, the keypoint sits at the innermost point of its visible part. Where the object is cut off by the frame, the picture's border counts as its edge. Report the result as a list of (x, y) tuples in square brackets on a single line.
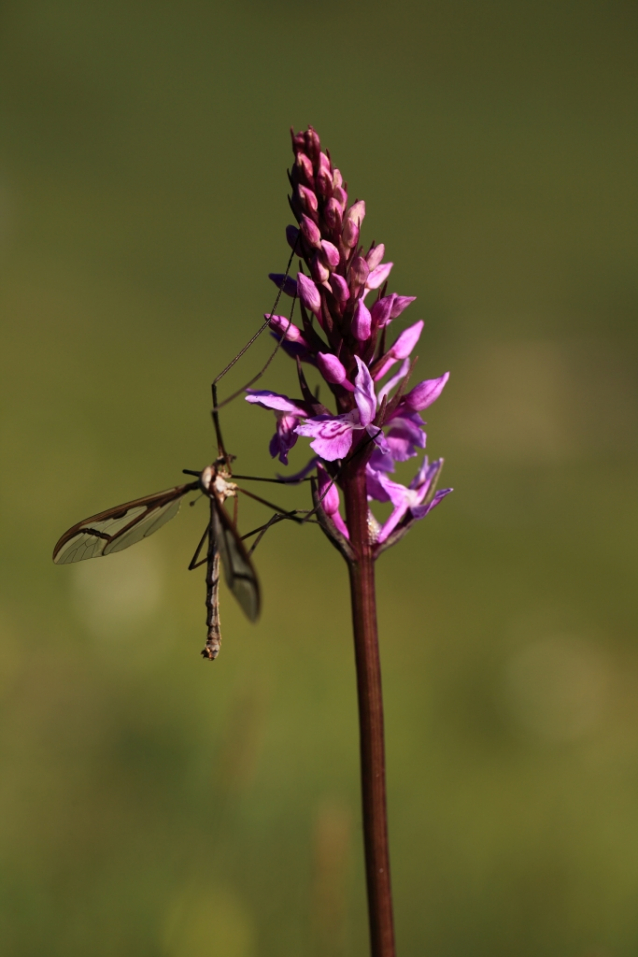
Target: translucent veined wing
[(239, 573), (119, 527)]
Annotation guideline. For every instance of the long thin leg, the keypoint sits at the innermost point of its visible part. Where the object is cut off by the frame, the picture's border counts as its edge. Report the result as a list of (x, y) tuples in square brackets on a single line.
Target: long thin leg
[(193, 562), (261, 531), (275, 508), (259, 478)]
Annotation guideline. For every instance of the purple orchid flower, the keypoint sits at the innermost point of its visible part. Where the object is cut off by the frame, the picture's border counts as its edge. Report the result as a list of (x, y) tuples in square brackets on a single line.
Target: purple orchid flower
[(342, 338), (376, 424), (333, 434), (288, 415), (412, 501)]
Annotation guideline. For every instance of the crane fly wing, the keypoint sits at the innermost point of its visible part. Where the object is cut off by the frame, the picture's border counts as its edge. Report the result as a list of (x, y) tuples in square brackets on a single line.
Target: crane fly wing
[(119, 527), (239, 573)]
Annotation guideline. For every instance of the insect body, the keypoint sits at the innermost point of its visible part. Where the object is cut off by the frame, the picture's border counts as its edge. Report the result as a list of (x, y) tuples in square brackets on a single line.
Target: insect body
[(124, 525)]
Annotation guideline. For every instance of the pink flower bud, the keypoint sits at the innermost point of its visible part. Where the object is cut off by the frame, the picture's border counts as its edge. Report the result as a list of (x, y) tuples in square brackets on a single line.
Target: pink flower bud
[(319, 272), (425, 393), (382, 311), (341, 197), (323, 178), (400, 303), (308, 293), (361, 322), (331, 368), (357, 212), (310, 231), (298, 141), (339, 287), (308, 200), (332, 214), (286, 283), (329, 498), (358, 271), (379, 275), (329, 255), (337, 179), (350, 234), (285, 328), (304, 170), (375, 256), (406, 341), (292, 235), (313, 144)]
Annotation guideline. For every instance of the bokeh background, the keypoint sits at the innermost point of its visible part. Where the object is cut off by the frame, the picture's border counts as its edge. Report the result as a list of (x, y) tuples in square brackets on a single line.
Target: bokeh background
[(153, 805)]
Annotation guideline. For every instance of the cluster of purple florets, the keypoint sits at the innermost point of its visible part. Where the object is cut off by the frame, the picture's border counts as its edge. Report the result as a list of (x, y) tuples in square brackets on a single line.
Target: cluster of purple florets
[(346, 340)]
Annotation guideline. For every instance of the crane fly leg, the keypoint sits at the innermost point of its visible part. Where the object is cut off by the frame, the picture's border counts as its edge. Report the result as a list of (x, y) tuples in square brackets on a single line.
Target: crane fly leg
[(193, 562)]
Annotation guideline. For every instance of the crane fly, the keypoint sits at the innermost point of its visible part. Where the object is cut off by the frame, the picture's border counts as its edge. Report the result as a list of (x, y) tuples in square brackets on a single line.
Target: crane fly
[(118, 528)]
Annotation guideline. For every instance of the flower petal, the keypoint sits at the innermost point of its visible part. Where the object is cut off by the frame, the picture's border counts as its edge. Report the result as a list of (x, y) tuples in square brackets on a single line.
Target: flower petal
[(273, 400), (426, 392), (378, 275), (364, 394), (332, 435)]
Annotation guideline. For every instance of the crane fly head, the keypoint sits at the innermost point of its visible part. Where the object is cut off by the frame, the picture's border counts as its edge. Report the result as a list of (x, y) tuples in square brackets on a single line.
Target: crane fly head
[(217, 476)]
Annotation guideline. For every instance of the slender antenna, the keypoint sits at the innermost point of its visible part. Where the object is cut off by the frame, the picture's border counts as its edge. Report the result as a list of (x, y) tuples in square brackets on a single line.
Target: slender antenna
[(245, 349), (254, 379)]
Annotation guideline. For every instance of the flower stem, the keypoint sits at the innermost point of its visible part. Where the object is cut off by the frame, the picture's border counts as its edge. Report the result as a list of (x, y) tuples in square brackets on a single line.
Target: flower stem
[(368, 665)]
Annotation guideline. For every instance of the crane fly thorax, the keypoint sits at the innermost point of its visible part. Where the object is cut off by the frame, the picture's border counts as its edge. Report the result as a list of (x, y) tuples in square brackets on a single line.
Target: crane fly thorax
[(217, 478)]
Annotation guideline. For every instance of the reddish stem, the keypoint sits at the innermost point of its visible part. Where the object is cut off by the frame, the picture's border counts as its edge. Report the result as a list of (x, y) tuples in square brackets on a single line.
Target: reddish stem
[(368, 665)]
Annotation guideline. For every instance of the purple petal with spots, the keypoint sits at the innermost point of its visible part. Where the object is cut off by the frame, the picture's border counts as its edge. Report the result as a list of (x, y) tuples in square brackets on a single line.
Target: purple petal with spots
[(332, 435)]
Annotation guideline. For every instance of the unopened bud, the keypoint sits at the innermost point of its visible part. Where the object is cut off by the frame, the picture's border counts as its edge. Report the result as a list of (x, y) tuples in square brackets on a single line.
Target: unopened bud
[(298, 141), (329, 255), (337, 179), (285, 329), (400, 303), (308, 293), (331, 368), (357, 212), (375, 255), (350, 234), (379, 275), (313, 144), (323, 176), (332, 214), (341, 197), (361, 322), (308, 200), (425, 393), (339, 287), (310, 231), (286, 283), (382, 311), (358, 271), (318, 270), (292, 235), (406, 341), (304, 168)]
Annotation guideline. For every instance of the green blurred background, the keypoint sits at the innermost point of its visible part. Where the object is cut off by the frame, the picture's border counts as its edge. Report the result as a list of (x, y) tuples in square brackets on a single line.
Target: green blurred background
[(152, 805)]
